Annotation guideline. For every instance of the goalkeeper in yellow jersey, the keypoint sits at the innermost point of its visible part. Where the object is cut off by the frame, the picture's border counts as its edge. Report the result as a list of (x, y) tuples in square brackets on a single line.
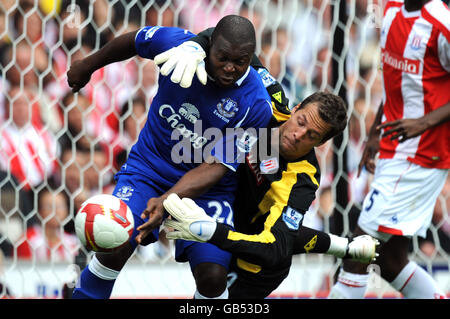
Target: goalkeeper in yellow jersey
[(275, 189)]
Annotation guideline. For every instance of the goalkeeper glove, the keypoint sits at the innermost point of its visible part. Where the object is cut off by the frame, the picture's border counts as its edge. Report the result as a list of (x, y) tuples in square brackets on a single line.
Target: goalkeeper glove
[(192, 223), (185, 60), (363, 249)]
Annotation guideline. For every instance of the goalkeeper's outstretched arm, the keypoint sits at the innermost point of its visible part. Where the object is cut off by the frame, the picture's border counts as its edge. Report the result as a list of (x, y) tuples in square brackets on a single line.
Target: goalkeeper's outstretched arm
[(266, 248), (267, 251)]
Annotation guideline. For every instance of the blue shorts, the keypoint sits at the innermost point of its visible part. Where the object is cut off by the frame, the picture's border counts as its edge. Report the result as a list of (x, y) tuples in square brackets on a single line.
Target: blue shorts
[(220, 209), (135, 190)]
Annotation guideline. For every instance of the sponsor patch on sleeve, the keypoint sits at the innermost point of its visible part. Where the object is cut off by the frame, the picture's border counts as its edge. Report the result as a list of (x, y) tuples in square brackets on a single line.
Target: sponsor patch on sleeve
[(266, 77), (292, 218)]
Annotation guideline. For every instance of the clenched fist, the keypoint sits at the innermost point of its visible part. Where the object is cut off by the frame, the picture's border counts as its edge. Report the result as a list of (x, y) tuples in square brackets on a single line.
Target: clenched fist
[(78, 75)]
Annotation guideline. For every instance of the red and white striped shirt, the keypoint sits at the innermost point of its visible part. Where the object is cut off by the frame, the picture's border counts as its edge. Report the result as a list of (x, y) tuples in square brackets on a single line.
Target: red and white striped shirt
[(109, 88), (415, 57), (37, 246), (28, 153)]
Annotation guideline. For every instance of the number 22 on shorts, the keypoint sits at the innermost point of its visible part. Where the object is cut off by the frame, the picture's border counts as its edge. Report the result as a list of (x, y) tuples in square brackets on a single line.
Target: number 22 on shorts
[(228, 218)]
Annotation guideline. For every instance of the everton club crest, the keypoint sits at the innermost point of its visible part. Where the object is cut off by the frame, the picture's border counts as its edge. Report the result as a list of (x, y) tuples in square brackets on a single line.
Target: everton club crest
[(226, 109)]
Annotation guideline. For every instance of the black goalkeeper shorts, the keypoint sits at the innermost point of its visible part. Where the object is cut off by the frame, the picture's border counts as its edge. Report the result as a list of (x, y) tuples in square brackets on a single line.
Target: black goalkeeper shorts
[(245, 285)]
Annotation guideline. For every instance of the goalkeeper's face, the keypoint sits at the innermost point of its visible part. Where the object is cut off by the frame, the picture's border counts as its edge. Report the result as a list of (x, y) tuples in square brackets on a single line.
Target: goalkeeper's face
[(304, 130), (227, 62)]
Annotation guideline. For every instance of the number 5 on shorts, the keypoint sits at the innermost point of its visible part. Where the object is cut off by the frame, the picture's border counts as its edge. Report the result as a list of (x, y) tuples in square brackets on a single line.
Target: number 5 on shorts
[(371, 199)]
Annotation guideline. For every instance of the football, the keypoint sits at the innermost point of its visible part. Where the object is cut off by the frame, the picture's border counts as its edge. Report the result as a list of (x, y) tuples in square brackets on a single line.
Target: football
[(104, 223)]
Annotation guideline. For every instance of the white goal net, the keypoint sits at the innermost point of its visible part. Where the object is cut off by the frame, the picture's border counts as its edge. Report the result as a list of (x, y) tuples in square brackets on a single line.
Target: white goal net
[(57, 149)]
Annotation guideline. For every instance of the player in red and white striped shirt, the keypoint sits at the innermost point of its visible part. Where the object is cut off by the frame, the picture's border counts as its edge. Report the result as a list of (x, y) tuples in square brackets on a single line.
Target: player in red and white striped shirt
[(27, 149), (414, 152)]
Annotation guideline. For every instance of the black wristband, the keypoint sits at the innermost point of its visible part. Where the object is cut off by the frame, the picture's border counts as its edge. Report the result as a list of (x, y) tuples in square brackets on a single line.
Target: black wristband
[(349, 240), (221, 234)]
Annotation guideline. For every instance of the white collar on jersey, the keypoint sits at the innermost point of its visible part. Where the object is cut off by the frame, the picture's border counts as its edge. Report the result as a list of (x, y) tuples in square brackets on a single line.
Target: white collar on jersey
[(238, 82)]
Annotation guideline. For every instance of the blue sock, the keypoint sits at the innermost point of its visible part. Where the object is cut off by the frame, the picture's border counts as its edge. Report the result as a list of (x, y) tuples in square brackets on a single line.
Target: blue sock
[(96, 282), (92, 287)]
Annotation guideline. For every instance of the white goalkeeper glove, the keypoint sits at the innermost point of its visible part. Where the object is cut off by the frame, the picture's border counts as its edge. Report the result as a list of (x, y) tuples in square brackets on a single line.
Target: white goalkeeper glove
[(363, 249), (185, 60), (192, 223)]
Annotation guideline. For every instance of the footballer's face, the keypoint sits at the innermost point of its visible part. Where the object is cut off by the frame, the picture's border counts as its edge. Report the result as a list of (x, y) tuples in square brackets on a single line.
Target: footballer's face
[(228, 62), (304, 130)]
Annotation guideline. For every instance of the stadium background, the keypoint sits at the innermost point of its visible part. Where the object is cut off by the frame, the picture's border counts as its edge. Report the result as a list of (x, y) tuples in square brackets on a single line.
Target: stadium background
[(58, 149)]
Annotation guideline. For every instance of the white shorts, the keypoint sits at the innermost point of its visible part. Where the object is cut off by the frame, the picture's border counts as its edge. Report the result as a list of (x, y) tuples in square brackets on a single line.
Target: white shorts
[(401, 199)]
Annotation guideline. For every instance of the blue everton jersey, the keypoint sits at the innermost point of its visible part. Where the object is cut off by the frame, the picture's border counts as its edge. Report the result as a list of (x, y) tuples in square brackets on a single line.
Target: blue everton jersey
[(184, 125)]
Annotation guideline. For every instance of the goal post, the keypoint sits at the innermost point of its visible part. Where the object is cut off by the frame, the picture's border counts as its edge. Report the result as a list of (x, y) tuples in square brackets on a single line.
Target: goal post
[(58, 148)]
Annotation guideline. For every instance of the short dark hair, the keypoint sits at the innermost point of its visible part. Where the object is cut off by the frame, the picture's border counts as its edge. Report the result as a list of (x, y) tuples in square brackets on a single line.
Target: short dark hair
[(332, 110), (236, 30)]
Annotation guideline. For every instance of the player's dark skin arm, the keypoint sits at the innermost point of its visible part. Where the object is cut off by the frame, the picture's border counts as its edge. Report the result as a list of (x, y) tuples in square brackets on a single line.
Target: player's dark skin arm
[(193, 184), (372, 144), (413, 5), (405, 129), (118, 49)]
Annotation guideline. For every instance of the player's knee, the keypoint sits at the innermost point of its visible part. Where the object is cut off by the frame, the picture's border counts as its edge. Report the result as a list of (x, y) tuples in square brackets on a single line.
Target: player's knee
[(211, 279), (390, 268), (392, 260)]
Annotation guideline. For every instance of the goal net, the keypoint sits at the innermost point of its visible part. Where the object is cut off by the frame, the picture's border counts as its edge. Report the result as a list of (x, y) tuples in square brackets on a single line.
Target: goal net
[(58, 149)]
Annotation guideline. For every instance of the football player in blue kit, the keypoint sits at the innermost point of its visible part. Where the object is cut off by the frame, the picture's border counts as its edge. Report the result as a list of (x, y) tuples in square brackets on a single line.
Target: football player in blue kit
[(233, 97)]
